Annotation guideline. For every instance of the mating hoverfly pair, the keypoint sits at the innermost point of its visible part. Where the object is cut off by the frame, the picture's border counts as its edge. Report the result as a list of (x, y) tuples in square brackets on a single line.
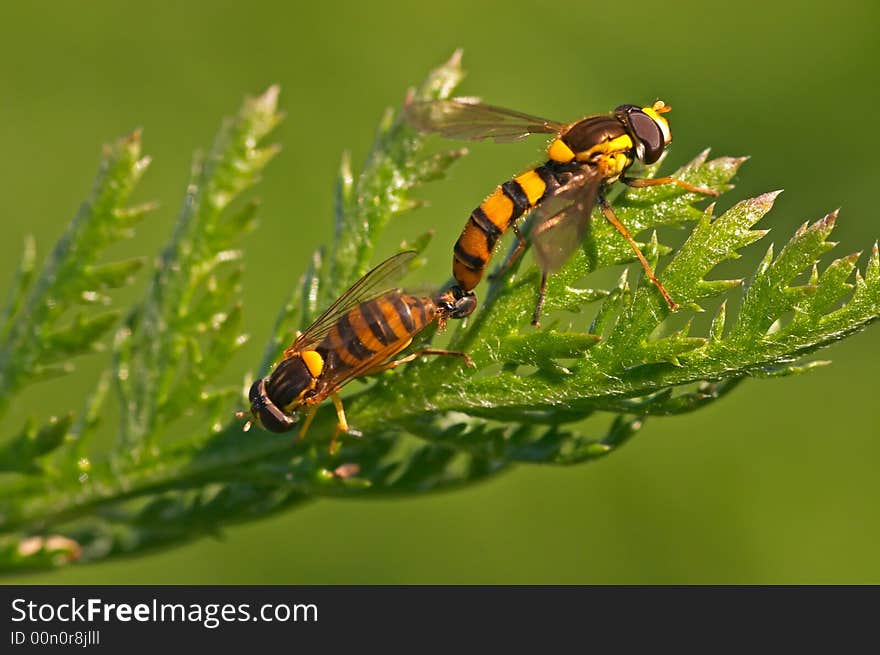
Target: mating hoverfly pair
[(369, 325)]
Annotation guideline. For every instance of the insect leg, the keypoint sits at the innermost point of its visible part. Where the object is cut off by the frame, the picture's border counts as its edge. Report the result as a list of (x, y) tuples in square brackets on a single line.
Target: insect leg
[(342, 425), (513, 256), (439, 351), (620, 227), (424, 351), (539, 306), (308, 421), (639, 183)]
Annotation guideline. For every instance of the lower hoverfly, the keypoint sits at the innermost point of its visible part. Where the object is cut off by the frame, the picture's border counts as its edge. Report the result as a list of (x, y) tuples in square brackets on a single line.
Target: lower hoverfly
[(356, 336), (585, 158)]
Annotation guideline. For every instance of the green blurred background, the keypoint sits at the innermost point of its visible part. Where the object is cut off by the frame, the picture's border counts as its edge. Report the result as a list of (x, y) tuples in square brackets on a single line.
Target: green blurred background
[(776, 483)]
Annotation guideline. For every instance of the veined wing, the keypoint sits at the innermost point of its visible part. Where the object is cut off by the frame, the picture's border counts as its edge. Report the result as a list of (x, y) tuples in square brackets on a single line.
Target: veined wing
[(336, 379), (560, 222), (468, 118), (374, 283)]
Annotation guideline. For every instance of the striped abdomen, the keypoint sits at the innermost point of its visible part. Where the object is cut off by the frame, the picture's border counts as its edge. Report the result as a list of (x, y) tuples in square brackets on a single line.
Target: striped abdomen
[(376, 329), (497, 213), (365, 336)]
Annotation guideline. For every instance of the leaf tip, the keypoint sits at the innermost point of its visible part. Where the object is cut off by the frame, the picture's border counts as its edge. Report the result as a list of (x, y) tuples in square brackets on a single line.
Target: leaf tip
[(269, 98), (827, 221), (760, 205), (133, 137), (872, 270), (142, 163)]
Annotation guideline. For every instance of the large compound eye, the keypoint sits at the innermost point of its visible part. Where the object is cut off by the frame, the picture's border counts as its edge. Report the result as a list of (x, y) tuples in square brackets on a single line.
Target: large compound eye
[(266, 412), (465, 306), (646, 130), (256, 395), (275, 420)]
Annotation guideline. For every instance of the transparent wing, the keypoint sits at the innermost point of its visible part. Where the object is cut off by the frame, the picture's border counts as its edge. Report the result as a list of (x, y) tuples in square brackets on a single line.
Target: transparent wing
[(374, 283), (336, 379), (560, 222), (468, 118)]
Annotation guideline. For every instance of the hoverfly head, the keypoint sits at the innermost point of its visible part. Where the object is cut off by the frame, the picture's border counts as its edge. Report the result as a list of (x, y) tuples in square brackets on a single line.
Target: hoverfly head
[(266, 413), (648, 128), (455, 303)]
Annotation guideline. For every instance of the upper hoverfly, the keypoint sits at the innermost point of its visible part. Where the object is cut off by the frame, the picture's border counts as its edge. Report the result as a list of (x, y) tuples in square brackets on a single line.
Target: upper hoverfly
[(585, 158), (356, 336)]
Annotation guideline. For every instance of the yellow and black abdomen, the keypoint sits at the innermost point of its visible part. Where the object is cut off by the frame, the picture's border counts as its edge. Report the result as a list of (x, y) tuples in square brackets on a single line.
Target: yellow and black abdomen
[(497, 213), (362, 338), (376, 330)]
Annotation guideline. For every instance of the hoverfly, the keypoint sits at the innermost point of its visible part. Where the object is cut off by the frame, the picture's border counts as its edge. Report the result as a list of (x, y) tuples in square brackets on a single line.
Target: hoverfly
[(585, 158), (356, 336)]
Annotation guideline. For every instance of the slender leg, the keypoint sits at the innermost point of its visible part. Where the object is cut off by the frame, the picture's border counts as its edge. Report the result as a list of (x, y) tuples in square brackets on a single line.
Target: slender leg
[(620, 227), (639, 183), (425, 351), (450, 353), (539, 306), (513, 256), (342, 425), (308, 421)]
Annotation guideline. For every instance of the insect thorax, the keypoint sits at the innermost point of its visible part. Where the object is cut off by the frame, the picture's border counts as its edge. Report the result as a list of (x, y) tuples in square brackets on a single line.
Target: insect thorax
[(290, 382), (589, 135)]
